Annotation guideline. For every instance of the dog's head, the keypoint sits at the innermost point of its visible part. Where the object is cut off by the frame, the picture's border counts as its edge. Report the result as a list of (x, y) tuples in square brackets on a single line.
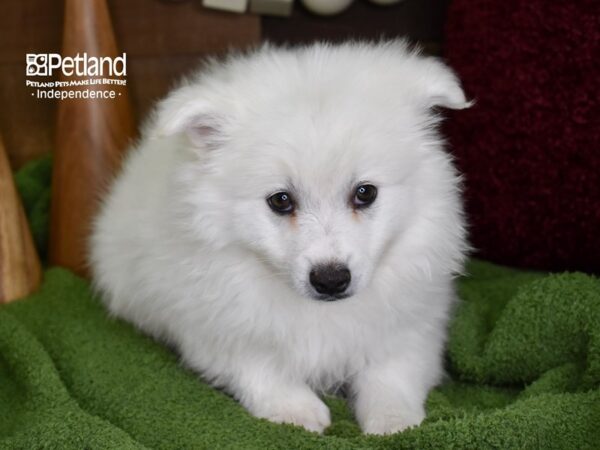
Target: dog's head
[(318, 161)]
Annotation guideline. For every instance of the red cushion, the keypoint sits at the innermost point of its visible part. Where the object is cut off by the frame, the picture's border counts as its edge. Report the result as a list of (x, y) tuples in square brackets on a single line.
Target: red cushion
[(530, 147)]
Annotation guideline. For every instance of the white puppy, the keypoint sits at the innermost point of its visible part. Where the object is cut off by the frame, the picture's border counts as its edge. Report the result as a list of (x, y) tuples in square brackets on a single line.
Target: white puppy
[(291, 223)]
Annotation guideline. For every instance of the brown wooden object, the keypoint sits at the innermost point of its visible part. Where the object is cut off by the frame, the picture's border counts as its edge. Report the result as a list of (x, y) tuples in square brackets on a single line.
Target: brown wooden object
[(20, 271), (91, 137)]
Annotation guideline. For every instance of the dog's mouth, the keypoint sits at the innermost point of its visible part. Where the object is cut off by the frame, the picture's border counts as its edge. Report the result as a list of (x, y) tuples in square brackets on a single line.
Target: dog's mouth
[(331, 298)]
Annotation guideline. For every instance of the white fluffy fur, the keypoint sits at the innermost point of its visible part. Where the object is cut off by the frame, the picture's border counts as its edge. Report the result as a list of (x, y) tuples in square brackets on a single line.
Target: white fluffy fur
[(186, 247)]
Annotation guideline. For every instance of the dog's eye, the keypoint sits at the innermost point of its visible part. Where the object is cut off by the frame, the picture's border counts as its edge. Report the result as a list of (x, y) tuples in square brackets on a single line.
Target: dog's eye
[(364, 195), (281, 203)]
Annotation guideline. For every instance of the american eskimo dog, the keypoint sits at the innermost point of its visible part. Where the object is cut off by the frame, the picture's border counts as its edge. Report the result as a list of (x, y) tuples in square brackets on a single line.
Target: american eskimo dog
[(291, 223)]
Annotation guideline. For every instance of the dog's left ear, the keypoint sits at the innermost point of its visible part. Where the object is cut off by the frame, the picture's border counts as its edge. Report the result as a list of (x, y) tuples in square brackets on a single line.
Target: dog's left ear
[(188, 112), (439, 86)]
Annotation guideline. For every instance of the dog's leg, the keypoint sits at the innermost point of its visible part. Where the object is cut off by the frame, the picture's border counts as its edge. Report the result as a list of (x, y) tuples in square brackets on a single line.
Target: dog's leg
[(268, 395), (389, 397)]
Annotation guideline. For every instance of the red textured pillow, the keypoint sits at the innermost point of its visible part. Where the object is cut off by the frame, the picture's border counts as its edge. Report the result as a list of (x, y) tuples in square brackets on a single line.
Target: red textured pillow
[(530, 147)]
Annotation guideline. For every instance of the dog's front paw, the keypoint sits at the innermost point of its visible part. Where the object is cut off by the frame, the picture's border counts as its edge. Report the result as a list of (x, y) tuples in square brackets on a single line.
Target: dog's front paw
[(302, 409), (387, 410), (390, 397), (389, 420)]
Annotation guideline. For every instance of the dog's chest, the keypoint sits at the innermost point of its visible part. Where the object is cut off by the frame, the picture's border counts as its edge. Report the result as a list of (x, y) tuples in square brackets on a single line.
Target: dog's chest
[(331, 345)]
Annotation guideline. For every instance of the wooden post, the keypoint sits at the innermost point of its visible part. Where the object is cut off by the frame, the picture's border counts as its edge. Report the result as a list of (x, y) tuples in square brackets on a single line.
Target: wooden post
[(91, 136), (20, 270)]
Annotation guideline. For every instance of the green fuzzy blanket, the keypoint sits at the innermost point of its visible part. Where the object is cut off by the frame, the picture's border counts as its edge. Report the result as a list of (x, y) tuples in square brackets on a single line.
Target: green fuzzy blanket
[(523, 363)]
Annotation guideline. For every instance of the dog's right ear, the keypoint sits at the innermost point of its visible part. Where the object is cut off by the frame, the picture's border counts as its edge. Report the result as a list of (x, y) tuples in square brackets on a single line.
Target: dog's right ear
[(186, 112), (439, 86)]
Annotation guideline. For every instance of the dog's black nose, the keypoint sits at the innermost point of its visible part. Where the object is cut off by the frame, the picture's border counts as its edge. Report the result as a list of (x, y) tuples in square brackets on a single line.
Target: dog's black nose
[(330, 279)]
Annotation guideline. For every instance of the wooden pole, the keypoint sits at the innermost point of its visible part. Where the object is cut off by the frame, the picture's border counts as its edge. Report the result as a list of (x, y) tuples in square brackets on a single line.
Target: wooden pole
[(91, 136), (20, 270)]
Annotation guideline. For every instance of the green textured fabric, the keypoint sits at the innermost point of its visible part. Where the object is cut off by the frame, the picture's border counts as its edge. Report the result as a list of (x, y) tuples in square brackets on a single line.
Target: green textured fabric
[(523, 359)]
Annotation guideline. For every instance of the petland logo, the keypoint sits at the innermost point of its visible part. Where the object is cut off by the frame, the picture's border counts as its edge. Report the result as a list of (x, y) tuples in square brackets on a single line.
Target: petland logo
[(79, 77), (44, 64)]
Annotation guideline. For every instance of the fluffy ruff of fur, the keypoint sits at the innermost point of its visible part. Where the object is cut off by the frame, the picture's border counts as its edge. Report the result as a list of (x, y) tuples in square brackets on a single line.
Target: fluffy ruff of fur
[(187, 248)]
